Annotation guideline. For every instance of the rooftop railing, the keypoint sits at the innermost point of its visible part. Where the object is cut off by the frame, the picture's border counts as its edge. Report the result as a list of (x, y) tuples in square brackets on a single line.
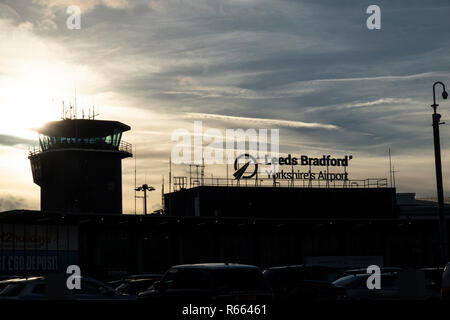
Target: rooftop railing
[(266, 182), (122, 147)]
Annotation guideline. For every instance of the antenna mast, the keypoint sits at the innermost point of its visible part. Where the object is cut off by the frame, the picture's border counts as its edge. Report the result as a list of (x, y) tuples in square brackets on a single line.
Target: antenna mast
[(390, 167), (170, 173), (393, 174), (202, 172), (162, 193), (93, 113), (227, 171), (135, 183), (75, 109)]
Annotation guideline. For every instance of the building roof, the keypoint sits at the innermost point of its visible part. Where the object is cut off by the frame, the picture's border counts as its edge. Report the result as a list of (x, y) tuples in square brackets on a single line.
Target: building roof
[(406, 215), (82, 128)]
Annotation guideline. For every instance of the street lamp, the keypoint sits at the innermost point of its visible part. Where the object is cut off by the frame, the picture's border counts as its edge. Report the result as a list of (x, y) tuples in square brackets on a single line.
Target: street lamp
[(437, 158), (145, 188)]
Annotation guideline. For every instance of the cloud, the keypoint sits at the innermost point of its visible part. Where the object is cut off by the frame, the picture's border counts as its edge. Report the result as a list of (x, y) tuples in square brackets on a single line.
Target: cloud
[(260, 121), (9, 202), (8, 140), (84, 4), (383, 78), (309, 67)]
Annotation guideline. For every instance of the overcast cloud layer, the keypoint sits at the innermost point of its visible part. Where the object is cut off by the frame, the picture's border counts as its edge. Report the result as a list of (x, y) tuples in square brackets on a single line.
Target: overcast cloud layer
[(310, 68)]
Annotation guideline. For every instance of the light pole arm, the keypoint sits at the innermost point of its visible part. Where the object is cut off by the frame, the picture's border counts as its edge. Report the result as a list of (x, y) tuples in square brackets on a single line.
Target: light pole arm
[(434, 105)]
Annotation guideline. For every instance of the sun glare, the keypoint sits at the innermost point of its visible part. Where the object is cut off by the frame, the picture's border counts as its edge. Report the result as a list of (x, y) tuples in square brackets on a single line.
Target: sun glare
[(34, 96)]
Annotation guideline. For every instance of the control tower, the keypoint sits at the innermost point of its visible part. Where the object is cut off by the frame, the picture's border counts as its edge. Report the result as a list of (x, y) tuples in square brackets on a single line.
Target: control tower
[(78, 165)]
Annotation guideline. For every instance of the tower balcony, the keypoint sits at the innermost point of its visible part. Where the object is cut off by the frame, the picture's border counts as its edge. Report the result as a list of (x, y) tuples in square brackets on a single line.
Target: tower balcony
[(87, 144)]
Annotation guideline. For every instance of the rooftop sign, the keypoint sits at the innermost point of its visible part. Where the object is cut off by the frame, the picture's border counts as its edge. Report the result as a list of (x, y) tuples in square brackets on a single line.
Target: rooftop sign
[(324, 161), (250, 167)]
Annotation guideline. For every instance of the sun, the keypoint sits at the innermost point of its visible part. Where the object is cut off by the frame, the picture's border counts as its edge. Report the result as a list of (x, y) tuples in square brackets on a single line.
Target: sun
[(34, 95)]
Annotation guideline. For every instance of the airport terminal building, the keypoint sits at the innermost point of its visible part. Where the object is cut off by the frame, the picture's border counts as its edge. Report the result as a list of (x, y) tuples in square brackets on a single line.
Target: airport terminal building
[(78, 167)]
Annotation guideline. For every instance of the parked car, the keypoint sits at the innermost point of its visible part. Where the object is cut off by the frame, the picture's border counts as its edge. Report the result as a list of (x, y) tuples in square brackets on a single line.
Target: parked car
[(303, 282), (3, 284), (364, 270), (445, 289), (41, 288), (137, 283), (311, 290), (211, 282), (356, 287)]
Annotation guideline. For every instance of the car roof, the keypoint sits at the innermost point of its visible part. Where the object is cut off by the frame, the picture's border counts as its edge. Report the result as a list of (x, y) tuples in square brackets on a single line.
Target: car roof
[(21, 280), (358, 275), (215, 266), (285, 267), (38, 278), (364, 270), (138, 280), (432, 269), (365, 275), (142, 276), (301, 266)]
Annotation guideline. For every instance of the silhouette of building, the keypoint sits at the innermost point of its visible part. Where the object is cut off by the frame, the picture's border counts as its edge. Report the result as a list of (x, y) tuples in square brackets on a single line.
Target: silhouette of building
[(106, 245), (281, 202), (78, 165)]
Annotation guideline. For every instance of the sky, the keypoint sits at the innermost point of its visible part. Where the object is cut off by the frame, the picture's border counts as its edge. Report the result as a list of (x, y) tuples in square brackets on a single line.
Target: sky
[(311, 69)]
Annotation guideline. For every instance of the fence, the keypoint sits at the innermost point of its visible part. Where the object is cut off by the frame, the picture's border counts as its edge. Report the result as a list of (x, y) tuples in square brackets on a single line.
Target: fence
[(291, 183)]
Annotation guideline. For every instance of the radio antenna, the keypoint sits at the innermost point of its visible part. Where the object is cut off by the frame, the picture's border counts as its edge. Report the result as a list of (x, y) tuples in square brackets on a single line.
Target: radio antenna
[(75, 107), (390, 168), (93, 113), (393, 175), (170, 173), (135, 183), (162, 193)]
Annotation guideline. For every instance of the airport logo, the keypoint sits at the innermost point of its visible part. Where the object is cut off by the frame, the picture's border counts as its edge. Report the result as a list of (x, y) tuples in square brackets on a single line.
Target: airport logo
[(303, 160), (250, 167), (239, 174)]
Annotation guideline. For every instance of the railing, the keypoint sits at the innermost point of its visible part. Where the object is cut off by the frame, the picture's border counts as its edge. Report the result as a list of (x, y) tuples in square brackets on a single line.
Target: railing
[(32, 151), (125, 147), (296, 183), (122, 147)]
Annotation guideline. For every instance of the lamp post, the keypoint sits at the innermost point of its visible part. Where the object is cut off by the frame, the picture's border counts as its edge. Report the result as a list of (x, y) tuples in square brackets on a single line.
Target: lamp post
[(145, 188), (437, 157)]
